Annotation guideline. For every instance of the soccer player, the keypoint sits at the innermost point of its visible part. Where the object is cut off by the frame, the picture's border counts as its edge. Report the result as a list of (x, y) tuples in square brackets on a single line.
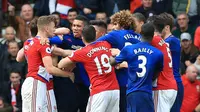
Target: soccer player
[(123, 35), (34, 88), (100, 27), (104, 94), (165, 87), (164, 22), (144, 61)]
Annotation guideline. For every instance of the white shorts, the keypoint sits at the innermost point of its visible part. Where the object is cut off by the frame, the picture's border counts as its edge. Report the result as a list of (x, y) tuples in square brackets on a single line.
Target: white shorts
[(106, 101), (36, 98), (164, 99)]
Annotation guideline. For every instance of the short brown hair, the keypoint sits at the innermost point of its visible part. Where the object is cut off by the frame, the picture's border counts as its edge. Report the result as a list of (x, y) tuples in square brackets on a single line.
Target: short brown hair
[(162, 20), (45, 20), (124, 19)]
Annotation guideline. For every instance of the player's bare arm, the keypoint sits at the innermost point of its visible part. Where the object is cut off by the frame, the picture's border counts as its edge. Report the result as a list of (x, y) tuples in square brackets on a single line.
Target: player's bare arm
[(61, 31), (66, 63), (112, 61), (20, 55), (197, 109), (114, 51), (47, 60), (61, 52)]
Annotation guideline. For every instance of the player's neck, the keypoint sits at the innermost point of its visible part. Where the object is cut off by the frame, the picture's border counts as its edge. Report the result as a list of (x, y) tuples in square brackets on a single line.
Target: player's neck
[(42, 34), (157, 34), (167, 35)]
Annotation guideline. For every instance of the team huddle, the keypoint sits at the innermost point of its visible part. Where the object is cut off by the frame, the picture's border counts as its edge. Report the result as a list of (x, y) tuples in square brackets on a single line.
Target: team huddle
[(127, 71)]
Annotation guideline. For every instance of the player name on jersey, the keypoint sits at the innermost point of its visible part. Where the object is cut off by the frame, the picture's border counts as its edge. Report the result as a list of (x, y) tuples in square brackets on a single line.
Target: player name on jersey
[(149, 51), (92, 51), (128, 36)]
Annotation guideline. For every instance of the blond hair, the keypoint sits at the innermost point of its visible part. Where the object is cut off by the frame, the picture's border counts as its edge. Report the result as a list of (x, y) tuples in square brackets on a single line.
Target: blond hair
[(124, 19), (45, 20)]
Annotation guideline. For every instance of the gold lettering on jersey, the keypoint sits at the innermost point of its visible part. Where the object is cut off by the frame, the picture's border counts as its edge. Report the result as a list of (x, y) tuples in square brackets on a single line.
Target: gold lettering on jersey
[(92, 51), (138, 50), (161, 42)]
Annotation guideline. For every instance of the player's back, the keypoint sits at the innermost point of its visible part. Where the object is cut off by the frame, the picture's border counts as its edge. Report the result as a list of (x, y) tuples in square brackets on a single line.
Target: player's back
[(165, 79), (95, 58), (143, 61), (34, 53), (118, 39), (175, 48)]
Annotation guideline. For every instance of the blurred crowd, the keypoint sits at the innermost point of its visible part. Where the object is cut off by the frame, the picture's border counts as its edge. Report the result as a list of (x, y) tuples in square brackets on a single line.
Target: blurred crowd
[(15, 16)]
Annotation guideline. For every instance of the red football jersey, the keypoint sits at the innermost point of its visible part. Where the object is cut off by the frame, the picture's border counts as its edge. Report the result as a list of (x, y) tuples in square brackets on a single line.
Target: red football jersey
[(34, 53), (166, 78), (95, 58)]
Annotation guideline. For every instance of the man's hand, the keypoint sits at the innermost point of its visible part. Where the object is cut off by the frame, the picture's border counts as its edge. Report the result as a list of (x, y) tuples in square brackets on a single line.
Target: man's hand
[(44, 41), (114, 52), (11, 7), (188, 63), (87, 11)]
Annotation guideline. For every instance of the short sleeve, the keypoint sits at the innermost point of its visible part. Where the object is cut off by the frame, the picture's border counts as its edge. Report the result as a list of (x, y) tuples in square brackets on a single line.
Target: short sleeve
[(123, 55), (110, 38), (45, 51), (77, 56)]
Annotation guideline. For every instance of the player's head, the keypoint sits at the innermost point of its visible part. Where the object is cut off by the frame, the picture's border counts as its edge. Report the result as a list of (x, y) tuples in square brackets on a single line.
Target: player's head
[(139, 21), (72, 14), (88, 34), (151, 19), (33, 27), (100, 27), (123, 20), (164, 23), (147, 32), (78, 24), (191, 73), (46, 25)]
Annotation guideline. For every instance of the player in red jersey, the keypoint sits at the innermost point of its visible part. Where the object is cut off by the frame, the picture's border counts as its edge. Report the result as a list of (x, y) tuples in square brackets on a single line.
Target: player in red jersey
[(104, 93), (164, 87), (34, 89)]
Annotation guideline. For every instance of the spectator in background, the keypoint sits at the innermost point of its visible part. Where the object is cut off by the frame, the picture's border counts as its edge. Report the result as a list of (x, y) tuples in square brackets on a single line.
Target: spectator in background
[(135, 4), (57, 16), (139, 21), (71, 15), (101, 16), (108, 6), (20, 23), (4, 107), (197, 37), (183, 21), (100, 27), (10, 61), (161, 6), (189, 52), (10, 35), (12, 91), (191, 102), (146, 9)]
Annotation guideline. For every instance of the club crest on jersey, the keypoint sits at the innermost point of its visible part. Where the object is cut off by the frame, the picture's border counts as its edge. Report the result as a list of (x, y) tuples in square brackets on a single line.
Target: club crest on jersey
[(48, 50)]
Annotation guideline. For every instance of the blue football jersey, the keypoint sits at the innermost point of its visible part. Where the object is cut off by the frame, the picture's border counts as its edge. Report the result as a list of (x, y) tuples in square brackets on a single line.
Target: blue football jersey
[(119, 39), (73, 43), (175, 48), (143, 61)]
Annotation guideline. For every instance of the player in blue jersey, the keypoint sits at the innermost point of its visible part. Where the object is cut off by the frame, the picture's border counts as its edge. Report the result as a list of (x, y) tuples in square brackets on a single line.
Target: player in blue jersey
[(73, 96), (143, 61), (164, 23), (122, 35)]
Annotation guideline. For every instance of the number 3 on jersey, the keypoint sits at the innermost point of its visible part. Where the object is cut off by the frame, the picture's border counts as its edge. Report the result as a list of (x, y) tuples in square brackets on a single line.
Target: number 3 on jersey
[(142, 66), (104, 62)]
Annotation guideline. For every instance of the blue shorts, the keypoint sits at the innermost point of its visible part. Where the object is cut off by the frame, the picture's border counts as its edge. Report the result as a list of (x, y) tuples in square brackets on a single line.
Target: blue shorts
[(139, 101), (179, 98)]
